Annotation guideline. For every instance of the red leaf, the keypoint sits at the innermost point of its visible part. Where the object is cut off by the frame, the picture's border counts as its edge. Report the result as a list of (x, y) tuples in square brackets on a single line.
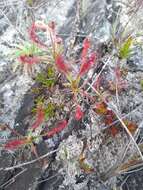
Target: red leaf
[(78, 113), (87, 65), (33, 35), (14, 144), (40, 118), (60, 126), (62, 67), (30, 60)]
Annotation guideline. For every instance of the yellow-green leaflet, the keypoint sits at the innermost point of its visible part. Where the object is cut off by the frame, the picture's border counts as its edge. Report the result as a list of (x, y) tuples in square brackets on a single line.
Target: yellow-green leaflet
[(125, 50)]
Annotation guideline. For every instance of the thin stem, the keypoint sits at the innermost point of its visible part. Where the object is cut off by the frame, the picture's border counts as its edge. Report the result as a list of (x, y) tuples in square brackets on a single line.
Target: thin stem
[(30, 162), (10, 181)]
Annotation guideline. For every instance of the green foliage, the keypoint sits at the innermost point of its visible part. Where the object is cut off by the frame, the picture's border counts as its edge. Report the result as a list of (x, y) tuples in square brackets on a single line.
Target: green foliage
[(48, 79), (50, 110), (125, 49), (50, 72), (38, 101)]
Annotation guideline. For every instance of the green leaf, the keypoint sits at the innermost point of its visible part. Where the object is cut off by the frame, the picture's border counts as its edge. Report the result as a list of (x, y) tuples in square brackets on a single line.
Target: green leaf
[(125, 50), (48, 79), (50, 110), (50, 72)]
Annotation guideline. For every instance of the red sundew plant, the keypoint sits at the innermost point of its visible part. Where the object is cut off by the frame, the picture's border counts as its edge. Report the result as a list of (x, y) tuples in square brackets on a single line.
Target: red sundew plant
[(28, 56), (34, 52), (17, 143), (88, 59), (86, 63), (50, 30)]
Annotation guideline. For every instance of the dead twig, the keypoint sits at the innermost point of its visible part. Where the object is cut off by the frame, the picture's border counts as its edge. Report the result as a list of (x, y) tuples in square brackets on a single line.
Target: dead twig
[(12, 180)]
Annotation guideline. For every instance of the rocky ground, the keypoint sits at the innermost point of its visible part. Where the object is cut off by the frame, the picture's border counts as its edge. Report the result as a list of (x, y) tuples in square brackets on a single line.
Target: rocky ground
[(87, 155)]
